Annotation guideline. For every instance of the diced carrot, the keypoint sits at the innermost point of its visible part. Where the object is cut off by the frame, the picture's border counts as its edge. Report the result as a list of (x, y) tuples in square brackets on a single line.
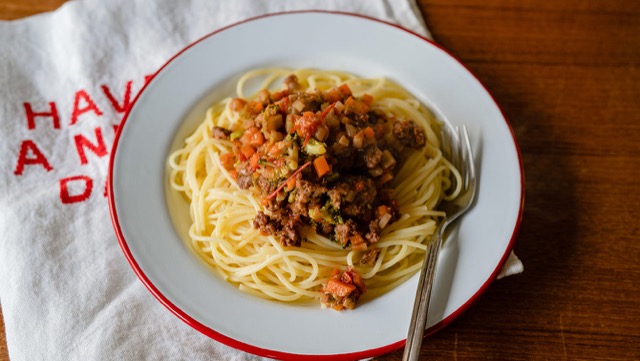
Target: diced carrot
[(237, 104), (255, 107), (369, 133), (355, 106), (247, 150), (358, 243), (264, 201), (253, 161), (246, 136), (233, 173), (257, 139), (338, 288), (227, 160), (291, 182), (333, 95), (335, 273), (280, 94), (367, 99), (321, 166), (382, 210), (345, 90)]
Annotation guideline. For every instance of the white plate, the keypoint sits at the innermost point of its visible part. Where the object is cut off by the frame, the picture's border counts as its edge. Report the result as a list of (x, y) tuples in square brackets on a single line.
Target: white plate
[(172, 104)]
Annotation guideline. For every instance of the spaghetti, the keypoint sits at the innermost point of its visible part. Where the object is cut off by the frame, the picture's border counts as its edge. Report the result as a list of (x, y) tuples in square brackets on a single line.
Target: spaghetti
[(273, 263)]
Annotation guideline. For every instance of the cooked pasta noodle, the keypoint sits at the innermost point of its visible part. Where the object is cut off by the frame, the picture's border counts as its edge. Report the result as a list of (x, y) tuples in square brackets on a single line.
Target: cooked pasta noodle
[(222, 233)]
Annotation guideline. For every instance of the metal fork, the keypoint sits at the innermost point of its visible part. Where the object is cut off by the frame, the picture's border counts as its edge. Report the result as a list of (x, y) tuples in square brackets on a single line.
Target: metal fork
[(456, 147)]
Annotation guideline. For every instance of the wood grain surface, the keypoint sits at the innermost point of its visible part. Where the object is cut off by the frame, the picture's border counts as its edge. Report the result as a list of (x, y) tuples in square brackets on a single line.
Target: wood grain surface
[(567, 76)]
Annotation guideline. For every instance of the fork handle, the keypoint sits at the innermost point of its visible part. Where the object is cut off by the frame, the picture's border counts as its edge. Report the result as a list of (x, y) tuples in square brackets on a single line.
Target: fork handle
[(421, 303)]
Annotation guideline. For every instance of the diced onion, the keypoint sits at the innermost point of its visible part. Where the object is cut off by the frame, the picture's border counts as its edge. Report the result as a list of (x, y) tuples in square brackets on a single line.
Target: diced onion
[(343, 140), (322, 133), (289, 123), (384, 220), (358, 140), (388, 161), (274, 122), (376, 172), (351, 130), (298, 105)]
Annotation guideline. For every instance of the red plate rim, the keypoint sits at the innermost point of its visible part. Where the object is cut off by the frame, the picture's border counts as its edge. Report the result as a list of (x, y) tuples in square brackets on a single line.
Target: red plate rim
[(279, 354)]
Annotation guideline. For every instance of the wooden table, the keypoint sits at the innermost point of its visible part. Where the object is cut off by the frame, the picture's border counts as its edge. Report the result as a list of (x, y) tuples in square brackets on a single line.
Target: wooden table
[(567, 75)]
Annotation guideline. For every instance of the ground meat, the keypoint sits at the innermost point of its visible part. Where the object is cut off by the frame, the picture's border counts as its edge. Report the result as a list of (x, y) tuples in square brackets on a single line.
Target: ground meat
[(344, 231), (325, 228), (370, 257), (373, 235), (365, 189), (307, 194), (266, 185), (244, 180), (289, 235), (292, 82), (409, 133), (264, 223), (337, 194), (220, 133)]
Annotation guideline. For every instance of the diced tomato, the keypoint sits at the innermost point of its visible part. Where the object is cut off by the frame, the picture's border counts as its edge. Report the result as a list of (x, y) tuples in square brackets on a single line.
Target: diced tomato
[(357, 279), (307, 125), (283, 104), (338, 288), (275, 151), (321, 166)]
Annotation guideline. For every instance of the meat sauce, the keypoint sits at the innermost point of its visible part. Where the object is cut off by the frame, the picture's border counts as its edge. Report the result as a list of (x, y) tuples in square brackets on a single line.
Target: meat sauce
[(321, 161)]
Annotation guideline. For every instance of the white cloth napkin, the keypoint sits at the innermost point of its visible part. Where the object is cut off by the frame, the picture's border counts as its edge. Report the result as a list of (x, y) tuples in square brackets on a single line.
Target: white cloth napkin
[(67, 77)]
